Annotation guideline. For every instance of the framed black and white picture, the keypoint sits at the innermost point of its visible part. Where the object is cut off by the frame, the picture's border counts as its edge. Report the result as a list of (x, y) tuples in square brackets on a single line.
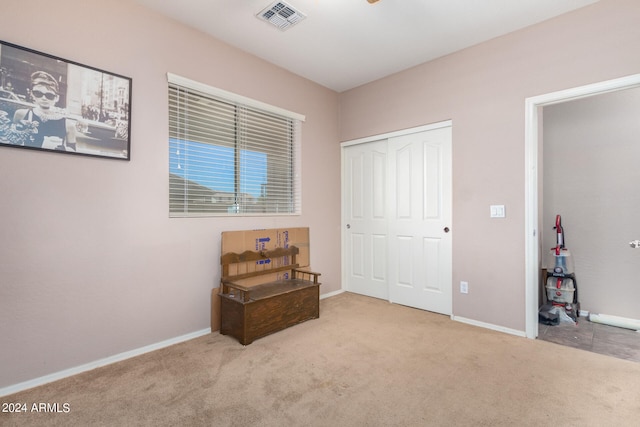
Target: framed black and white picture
[(49, 103)]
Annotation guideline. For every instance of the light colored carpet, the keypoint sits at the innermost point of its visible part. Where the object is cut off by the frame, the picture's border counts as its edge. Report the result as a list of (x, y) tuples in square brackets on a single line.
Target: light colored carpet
[(365, 362)]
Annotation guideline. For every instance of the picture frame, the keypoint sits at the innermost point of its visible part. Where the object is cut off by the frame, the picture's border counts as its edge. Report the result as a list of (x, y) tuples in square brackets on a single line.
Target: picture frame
[(52, 104)]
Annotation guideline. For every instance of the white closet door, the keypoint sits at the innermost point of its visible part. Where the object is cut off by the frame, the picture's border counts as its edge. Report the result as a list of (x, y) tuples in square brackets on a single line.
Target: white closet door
[(365, 207), (397, 213), (420, 252)]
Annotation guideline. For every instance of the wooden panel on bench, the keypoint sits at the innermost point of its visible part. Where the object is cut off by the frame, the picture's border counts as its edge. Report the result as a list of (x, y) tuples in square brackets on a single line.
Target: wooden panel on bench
[(251, 312)]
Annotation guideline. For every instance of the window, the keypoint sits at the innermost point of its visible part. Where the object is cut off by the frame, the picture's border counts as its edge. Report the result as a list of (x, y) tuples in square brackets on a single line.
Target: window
[(230, 155)]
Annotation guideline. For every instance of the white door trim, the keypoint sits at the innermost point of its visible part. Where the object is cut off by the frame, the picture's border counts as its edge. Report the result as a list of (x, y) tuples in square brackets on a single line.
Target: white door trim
[(532, 146), (432, 126)]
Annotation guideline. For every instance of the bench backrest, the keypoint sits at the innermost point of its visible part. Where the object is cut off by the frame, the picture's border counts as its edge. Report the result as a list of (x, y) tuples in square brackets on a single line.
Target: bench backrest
[(248, 264)]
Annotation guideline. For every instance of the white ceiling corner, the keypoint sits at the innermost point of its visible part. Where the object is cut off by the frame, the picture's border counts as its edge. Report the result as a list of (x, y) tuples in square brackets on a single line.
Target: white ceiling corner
[(342, 44)]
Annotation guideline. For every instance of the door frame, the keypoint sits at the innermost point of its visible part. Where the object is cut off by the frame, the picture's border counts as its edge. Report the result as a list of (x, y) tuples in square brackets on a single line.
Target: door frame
[(373, 138), (533, 145)]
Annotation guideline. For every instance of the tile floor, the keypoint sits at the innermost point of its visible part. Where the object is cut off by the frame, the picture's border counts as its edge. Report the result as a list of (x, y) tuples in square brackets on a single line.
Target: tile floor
[(610, 340)]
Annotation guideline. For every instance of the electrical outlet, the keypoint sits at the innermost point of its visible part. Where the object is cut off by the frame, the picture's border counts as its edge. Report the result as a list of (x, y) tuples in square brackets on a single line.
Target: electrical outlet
[(464, 287)]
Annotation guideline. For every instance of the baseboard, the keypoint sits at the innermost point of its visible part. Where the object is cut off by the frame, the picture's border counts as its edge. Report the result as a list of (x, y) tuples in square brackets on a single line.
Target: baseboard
[(98, 363), (332, 294), (489, 326)]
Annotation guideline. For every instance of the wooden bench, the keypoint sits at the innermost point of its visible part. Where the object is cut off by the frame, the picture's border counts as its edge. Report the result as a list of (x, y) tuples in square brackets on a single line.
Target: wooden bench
[(288, 295)]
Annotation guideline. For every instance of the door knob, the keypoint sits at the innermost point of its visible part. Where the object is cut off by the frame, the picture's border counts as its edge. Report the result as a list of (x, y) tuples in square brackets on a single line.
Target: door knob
[(446, 229), (348, 226)]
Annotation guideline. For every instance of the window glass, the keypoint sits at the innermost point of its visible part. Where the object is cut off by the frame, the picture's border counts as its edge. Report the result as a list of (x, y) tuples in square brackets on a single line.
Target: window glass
[(226, 158)]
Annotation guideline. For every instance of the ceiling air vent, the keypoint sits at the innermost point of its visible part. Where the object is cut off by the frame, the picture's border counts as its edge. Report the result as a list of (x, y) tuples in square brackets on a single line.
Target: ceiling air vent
[(281, 15)]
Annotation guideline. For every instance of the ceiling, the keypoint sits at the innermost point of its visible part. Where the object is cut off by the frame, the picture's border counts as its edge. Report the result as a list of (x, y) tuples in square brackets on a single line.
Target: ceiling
[(342, 44)]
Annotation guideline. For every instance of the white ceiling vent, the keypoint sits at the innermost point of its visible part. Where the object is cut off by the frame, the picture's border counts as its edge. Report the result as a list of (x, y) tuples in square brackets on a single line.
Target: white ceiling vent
[(281, 15)]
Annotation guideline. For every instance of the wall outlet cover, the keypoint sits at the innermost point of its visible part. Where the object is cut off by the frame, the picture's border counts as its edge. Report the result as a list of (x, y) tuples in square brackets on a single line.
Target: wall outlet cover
[(464, 287)]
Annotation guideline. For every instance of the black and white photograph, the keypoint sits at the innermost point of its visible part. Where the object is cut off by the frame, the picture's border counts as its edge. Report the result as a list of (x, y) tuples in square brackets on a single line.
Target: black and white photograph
[(48, 103)]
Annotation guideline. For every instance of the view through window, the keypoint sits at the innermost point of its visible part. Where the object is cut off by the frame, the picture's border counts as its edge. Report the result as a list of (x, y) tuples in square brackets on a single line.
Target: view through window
[(226, 158)]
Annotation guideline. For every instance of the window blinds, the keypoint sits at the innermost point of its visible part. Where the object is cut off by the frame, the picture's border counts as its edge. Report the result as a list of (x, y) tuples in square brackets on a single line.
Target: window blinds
[(230, 158)]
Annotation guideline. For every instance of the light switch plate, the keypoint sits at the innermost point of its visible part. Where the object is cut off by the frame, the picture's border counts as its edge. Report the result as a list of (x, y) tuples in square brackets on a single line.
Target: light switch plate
[(498, 211)]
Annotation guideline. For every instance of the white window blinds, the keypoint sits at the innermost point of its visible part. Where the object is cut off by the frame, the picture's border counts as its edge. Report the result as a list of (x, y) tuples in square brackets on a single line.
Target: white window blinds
[(229, 155)]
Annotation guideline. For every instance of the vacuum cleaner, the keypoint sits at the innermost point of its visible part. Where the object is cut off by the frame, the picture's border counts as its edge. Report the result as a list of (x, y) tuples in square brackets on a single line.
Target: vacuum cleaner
[(561, 286)]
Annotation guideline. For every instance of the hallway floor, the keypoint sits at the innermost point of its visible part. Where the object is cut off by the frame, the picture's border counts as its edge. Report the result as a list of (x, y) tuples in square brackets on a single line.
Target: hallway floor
[(609, 340)]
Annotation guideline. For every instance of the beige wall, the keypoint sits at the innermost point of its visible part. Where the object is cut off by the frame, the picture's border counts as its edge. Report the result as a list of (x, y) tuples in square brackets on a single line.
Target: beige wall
[(90, 263), (483, 91), (591, 176)]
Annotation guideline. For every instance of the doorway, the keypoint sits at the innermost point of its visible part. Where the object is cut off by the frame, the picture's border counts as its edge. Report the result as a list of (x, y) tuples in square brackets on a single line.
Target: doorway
[(397, 238), (533, 144)]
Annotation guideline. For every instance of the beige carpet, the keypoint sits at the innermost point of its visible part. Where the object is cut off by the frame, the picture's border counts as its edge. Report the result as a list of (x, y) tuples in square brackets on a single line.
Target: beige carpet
[(365, 362)]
